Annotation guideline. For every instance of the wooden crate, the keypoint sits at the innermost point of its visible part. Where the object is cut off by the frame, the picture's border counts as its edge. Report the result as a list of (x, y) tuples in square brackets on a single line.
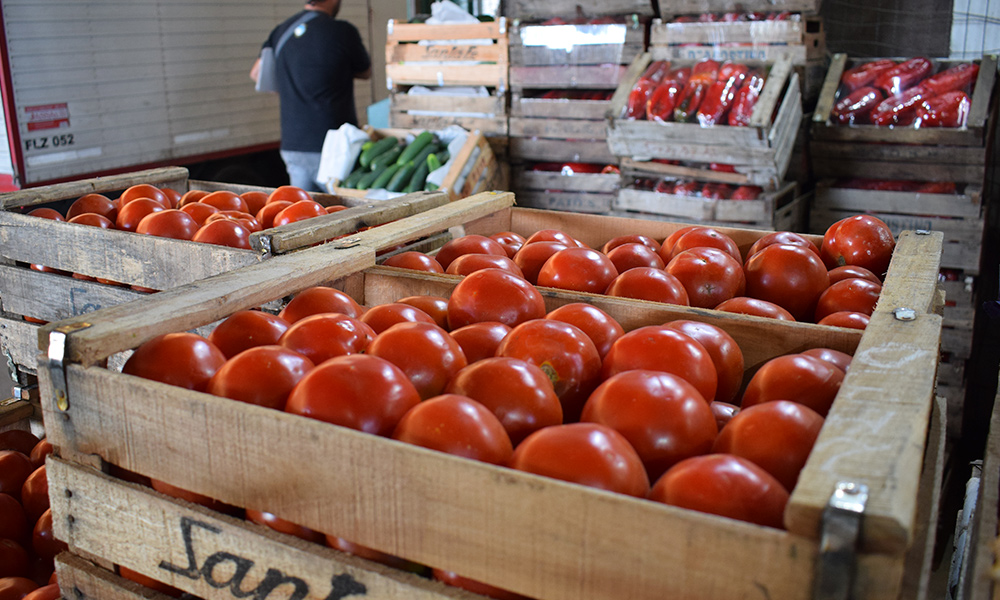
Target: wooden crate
[(980, 579), (673, 8), (761, 151), (535, 45), (487, 114), (928, 154), (780, 210), (529, 10), (558, 130), (959, 216), (447, 55), (484, 174), (547, 539), (581, 192)]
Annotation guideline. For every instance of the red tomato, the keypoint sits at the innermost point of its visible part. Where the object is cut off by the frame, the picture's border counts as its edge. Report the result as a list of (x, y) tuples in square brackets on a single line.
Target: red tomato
[(299, 211), (476, 587), (225, 200), (247, 221), (468, 244), (323, 336), (725, 485), (18, 439), (790, 276), (38, 454), (648, 283), (247, 329), (13, 522), (96, 220), (510, 241), (46, 592), (803, 379), (320, 299), (15, 467), (661, 348), (199, 212), (852, 272), (554, 235), (359, 391), (862, 240), (837, 358), (457, 425), (578, 269), (517, 392), (149, 582), (494, 295), (170, 223), (631, 255), (182, 359), (265, 216), (373, 555), (191, 196), (848, 295), (776, 436), (254, 201), (585, 453), (709, 275), (531, 257), (426, 353), (417, 261), (143, 190), (469, 263), (435, 306), (621, 240), (263, 375), (93, 203), (661, 415), (132, 213), (725, 353), (35, 494), (335, 208), (43, 541), (287, 527), (223, 233), (561, 351), (850, 320), (288, 193), (384, 316), (600, 327), (47, 213), (480, 340), (752, 306), (700, 237), (723, 412), (781, 237), (16, 588), (175, 492), (14, 560)]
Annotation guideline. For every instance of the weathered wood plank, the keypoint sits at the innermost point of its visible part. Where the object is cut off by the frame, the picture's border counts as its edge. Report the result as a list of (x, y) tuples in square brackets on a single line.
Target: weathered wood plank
[(967, 204), (582, 202), (91, 582), (559, 108), (567, 76), (541, 9), (172, 177), (522, 148), (691, 7), (750, 32), (526, 179)]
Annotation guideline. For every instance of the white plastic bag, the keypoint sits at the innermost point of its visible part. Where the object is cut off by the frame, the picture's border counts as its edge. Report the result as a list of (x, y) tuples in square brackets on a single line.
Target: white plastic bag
[(341, 149)]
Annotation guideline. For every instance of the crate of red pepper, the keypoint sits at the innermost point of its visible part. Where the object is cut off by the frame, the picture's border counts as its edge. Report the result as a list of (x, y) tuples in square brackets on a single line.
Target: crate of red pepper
[(709, 203), (912, 118), (708, 112), (572, 186)]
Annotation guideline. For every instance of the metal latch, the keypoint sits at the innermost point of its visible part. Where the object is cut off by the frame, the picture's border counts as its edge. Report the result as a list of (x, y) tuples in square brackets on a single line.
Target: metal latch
[(57, 357), (836, 564), (262, 244)]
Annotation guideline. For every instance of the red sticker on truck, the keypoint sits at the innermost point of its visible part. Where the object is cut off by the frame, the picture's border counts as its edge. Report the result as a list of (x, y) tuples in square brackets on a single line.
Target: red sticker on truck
[(47, 116)]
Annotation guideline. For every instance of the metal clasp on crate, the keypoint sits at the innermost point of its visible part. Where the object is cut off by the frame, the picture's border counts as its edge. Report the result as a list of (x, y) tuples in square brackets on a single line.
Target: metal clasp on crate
[(262, 244), (57, 361), (838, 544)]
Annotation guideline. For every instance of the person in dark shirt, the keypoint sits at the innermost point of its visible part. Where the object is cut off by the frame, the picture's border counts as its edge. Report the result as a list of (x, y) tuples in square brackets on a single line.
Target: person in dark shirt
[(315, 72)]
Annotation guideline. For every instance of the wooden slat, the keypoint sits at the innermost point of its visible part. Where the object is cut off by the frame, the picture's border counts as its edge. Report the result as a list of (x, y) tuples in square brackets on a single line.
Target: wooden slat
[(447, 104), (541, 9), (967, 204), (91, 582), (644, 168), (559, 108), (748, 32), (692, 7), (979, 111), (14, 412), (567, 76), (560, 150), (444, 53), (581, 202), (772, 94), (488, 126), (526, 179), (445, 74), (19, 343), (415, 32), (52, 297), (566, 129), (172, 177), (899, 161), (749, 55)]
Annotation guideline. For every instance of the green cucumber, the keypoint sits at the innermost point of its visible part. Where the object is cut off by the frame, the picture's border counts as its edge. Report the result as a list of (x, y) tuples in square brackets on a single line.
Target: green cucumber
[(368, 179), (413, 149), (353, 179), (430, 187), (383, 145), (427, 151), (418, 178), (433, 162), (383, 180), (387, 158), (402, 177)]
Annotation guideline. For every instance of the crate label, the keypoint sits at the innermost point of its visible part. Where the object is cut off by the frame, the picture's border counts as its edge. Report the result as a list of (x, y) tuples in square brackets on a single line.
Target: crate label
[(442, 52), (78, 300), (567, 36), (47, 116), (222, 570), (732, 53)]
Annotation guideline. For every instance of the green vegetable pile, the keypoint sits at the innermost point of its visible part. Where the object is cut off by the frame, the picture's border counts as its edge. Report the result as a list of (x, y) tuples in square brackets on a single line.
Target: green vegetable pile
[(396, 166)]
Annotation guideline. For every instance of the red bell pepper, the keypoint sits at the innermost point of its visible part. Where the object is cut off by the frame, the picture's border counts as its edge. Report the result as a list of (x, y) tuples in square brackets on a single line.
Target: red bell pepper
[(703, 75), (865, 73), (745, 99), (937, 187), (904, 75), (571, 168), (635, 107), (721, 168), (890, 185), (959, 77), (687, 188), (721, 94), (611, 170), (746, 192), (664, 186), (716, 191), (899, 110), (656, 71), (856, 106), (664, 98), (946, 110)]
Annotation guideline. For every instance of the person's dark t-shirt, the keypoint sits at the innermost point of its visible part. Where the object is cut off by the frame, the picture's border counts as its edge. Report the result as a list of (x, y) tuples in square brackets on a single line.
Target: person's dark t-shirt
[(315, 76)]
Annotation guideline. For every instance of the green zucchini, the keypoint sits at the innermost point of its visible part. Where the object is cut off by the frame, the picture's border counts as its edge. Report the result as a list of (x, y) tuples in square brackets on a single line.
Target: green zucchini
[(413, 149), (383, 180), (368, 179), (402, 177), (418, 178), (353, 179), (383, 145), (387, 158), (433, 162)]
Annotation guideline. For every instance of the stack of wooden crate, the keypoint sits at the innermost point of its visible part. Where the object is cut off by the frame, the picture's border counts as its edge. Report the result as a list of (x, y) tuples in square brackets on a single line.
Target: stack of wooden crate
[(916, 178), (564, 68)]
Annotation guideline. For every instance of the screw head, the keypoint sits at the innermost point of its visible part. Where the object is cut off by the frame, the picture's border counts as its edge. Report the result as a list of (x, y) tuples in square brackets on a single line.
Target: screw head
[(905, 314)]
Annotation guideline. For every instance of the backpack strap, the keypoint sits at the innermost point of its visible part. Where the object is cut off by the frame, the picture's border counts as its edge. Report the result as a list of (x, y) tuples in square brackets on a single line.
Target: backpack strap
[(310, 15)]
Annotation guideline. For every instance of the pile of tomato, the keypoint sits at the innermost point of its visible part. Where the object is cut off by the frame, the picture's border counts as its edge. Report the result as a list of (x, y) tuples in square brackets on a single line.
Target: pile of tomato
[(27, 545), (661, 412), (697, 189)]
